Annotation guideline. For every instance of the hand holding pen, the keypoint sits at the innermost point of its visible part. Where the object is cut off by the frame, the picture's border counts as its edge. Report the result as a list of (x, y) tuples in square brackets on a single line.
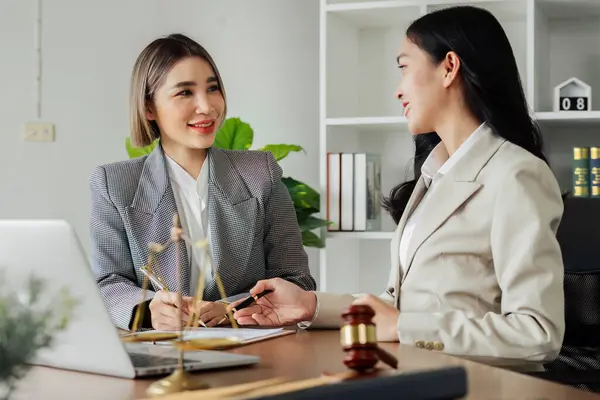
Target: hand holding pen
[(243, 303), (164, 304), (163, 311), (278, 302)]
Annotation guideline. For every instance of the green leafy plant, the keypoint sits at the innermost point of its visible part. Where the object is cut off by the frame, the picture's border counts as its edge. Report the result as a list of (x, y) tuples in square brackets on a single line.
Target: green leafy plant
[(236, 134), (134, 152), (27, 324)]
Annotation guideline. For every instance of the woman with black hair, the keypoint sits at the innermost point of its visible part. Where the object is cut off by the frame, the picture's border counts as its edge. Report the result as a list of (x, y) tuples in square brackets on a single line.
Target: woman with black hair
[(476, 268)]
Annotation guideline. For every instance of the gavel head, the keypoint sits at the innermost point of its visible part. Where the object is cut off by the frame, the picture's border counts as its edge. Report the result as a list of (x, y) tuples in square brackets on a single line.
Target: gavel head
[(358, 338)]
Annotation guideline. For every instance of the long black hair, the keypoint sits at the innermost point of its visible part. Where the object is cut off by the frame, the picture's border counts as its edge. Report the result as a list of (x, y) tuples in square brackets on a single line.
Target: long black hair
[(490, 81)]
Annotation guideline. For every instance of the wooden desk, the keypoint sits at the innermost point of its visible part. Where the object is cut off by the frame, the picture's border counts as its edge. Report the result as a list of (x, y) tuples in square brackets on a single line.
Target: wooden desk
[(303, 355)]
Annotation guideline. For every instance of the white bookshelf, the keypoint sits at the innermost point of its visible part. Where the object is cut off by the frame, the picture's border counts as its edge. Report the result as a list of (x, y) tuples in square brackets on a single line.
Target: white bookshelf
[(553, 40), (568, 118)]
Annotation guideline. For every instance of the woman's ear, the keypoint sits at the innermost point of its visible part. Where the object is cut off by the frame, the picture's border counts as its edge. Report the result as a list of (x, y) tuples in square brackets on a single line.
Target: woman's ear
[(451, 65), (150, 113)]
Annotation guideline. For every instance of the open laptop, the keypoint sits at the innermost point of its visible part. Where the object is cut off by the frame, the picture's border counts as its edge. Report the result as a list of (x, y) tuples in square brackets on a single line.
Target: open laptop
[(50, 250)]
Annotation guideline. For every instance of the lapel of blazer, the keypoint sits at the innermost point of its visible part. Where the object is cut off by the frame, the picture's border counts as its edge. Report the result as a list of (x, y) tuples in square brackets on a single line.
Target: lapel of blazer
[(151, 214), (453, 190), (413, 201), (232, 218)]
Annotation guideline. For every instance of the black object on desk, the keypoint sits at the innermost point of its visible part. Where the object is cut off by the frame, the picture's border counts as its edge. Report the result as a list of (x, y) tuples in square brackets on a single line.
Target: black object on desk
[(449, 383)]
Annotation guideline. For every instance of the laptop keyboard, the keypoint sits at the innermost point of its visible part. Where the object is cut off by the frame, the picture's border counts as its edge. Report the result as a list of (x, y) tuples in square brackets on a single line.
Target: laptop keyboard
[(140, 360)]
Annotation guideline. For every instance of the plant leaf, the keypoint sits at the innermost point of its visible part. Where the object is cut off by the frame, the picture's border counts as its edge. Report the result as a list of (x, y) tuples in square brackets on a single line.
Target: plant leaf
[(28, 323), (309, 239), (135, 152), (303, 213), (234, 135), (309, 223), (303, 196), (280, 151)]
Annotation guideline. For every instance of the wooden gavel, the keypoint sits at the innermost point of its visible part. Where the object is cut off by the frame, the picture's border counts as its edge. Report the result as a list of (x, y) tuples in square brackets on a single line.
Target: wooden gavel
[(359, 340)]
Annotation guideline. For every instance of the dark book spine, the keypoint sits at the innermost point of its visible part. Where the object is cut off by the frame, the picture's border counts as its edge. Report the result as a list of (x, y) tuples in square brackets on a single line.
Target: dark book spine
[(581, 180), (595, 171)]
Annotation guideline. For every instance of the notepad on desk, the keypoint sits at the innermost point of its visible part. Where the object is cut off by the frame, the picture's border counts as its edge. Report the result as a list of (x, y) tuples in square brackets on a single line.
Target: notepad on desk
[(240, 335)]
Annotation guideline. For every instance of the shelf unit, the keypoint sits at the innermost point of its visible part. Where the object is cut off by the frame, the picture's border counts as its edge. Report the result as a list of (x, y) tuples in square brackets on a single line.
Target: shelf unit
[(361, 235), (552, 40)]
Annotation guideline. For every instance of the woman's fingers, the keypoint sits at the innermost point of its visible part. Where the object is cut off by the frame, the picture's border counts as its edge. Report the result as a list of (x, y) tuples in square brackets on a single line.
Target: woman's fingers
[(214, 321), (164, 312), (231, 306), (248, 311), (246, 321), (261, 319)]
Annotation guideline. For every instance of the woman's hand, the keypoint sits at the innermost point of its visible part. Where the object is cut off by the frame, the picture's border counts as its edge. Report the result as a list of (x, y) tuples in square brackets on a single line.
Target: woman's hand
[(164, 312), (385, 319), (287, 304), (211, 313)]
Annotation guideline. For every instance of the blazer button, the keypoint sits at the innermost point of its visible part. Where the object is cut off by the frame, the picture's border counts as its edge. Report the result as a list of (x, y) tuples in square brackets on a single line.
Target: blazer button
[(429, 345), (420, 344), (438, 346)]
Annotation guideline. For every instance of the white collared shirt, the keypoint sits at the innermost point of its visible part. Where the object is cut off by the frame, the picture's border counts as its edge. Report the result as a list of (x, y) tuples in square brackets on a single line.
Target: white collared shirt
[(434, 168), (191, 196)]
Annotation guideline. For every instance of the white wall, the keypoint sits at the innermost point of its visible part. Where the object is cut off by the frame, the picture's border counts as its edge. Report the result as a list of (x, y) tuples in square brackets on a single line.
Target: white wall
[(267, 51)]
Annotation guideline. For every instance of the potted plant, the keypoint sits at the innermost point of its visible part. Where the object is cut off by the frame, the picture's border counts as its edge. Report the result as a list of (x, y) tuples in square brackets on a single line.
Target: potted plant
[(28, 323), (238, 135)]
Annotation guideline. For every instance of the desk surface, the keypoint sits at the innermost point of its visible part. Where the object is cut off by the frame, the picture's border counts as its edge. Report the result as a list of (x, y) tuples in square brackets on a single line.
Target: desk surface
[(302, 355)]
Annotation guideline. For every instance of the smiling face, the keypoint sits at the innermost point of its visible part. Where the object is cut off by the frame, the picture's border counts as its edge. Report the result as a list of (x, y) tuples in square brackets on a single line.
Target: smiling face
[(188, 106), (422, 89)]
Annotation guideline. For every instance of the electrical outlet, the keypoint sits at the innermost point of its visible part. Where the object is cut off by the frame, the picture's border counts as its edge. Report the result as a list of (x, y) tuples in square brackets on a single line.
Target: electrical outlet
[(38, 132)]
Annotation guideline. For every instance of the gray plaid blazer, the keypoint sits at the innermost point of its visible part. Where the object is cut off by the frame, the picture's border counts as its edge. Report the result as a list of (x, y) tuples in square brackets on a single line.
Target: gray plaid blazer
[(254, 231)]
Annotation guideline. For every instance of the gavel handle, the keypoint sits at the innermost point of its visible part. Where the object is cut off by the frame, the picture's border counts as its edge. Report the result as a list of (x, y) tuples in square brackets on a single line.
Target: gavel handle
[(387, 358)]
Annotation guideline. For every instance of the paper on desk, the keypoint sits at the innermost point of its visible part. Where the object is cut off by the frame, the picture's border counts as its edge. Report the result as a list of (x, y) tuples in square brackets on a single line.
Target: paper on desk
[(242, 334)]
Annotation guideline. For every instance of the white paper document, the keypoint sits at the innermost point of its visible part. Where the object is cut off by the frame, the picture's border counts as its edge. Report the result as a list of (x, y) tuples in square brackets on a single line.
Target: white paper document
[(242, 334)]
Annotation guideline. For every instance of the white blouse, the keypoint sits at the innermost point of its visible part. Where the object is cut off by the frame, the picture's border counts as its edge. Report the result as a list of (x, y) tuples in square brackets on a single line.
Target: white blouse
[(191, 197)]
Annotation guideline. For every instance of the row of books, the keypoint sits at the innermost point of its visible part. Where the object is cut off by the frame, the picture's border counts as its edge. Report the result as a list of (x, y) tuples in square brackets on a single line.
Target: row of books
[(354, 192), (586, 172)]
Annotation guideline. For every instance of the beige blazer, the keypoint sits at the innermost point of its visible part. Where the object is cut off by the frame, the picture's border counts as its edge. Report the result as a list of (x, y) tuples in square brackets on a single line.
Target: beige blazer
[(484, 278)]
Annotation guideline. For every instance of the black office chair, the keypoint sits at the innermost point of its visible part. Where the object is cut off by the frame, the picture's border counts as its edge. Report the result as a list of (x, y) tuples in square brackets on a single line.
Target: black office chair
[(578, 363)]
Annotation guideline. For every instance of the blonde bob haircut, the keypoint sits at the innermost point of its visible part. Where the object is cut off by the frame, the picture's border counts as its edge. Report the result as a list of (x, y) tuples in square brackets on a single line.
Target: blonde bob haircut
[(149, 72)]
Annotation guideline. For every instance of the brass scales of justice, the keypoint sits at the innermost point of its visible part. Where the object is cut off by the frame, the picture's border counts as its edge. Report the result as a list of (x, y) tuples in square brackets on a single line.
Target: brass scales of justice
[(180, 380), (358, 338)]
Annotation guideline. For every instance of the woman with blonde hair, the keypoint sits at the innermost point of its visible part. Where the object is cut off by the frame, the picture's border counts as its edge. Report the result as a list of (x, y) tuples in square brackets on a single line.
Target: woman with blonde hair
[(234, 198)]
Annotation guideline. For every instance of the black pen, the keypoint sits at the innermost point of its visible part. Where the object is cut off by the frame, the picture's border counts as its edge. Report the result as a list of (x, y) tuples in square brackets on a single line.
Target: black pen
[(248, 301)]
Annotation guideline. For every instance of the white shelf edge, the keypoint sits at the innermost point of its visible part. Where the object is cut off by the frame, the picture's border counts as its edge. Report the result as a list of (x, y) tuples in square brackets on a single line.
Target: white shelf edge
[(470, 2), (541, 115), (360, 235), (367, 5), (568, 115), (384, 4), (365, 121)]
